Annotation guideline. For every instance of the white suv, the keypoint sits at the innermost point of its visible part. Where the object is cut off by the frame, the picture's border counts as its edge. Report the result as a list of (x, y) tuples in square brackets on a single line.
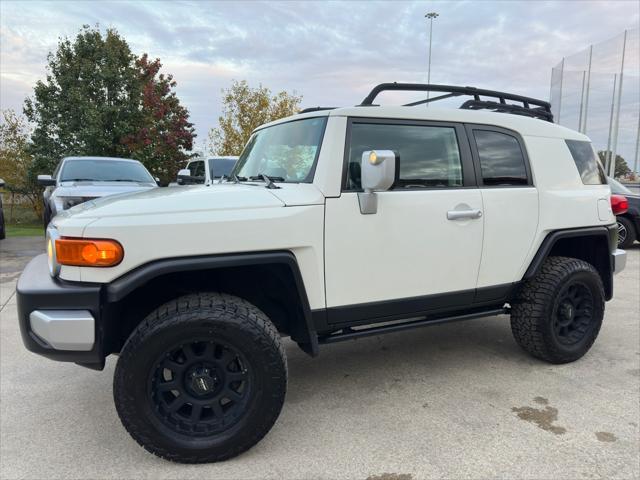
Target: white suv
[(338, 224), (206, 170)]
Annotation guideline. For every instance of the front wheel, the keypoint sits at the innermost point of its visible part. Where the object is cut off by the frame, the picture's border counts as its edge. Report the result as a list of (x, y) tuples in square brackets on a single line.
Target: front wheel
[(556, 316), (201, 379)]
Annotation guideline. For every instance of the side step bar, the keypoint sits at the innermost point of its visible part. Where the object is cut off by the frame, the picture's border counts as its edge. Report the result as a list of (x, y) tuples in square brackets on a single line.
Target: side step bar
[(351, 334)]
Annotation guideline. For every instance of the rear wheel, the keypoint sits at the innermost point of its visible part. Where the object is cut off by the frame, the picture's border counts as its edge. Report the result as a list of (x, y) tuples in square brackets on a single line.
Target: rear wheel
[(202, 379), (626, 232), (557, 315)]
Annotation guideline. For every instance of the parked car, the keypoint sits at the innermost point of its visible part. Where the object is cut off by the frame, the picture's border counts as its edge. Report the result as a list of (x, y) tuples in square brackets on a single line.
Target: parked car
[(79, 179), (206, 170), (2, 227), (628, 222), (334, 223)]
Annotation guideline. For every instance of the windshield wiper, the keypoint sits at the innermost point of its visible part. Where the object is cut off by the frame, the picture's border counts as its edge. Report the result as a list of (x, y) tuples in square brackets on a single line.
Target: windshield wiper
[(268, 180), (78, 180), (237, 179)]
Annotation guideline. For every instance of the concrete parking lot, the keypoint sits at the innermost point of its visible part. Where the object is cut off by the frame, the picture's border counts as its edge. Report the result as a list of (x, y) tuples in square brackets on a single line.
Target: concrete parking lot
[(455, 401)]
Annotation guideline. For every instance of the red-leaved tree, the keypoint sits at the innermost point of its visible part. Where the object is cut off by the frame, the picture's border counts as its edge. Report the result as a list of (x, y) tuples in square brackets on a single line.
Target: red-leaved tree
[(164, 135)]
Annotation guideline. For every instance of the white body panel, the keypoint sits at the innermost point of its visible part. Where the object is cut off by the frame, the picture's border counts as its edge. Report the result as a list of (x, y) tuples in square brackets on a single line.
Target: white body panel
[(407, 249), (510, 226)]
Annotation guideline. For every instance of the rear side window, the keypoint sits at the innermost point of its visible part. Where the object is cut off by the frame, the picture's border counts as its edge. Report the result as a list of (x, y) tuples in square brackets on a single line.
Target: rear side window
[(429, 155), (196, 168), (501, 159), (589, 167)]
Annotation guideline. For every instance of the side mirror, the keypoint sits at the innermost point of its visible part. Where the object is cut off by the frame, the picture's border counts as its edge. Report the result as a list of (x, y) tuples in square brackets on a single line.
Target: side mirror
[(46, 181), (378, 174), (184, 176)]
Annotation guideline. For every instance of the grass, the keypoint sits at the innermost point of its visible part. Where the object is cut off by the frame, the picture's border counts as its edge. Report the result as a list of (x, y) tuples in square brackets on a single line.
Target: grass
[(24, 230)]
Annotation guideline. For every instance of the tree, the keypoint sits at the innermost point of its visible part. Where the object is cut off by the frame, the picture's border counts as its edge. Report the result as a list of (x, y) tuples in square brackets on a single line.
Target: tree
[(245, 108), (100, 99), (89, 101), (164, 135), (16, 164), (621, 169)]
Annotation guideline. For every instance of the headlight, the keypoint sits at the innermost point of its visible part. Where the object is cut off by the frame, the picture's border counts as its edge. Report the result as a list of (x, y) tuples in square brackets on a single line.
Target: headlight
[(52, 236), (68, 202)]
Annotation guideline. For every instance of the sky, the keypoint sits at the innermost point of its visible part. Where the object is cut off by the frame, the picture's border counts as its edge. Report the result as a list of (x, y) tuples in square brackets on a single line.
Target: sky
[(331, 53)]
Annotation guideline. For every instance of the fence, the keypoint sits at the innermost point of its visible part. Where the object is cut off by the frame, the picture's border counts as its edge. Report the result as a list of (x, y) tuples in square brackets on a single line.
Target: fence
[(597, 92)]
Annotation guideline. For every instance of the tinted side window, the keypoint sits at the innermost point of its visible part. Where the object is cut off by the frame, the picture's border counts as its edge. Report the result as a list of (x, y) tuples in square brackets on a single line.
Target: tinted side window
[(589, 167), (196, 169), (221, 167), (501, 158), (429, 155)]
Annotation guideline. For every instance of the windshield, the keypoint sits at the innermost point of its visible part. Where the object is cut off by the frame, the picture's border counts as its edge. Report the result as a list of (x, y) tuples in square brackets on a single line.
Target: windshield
[(618, 188), (221, 166), (104, 171), (287, 152)]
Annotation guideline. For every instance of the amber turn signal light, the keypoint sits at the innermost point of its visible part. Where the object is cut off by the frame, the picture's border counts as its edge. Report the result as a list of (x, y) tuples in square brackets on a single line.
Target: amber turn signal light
[(86, 252)]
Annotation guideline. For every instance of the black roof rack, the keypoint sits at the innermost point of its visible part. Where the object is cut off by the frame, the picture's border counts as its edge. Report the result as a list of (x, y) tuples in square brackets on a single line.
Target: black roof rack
[(316, 109), (531, 107)]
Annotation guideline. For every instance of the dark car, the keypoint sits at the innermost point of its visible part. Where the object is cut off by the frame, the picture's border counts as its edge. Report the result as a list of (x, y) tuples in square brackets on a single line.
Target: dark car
[(629, 222), (2, 232)]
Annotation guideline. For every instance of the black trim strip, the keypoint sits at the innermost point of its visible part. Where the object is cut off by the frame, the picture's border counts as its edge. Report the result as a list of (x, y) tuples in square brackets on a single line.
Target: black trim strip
[(399, 327)]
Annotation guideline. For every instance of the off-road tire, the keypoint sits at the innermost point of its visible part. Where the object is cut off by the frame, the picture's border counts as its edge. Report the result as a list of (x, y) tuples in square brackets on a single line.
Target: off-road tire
[(535, 309), (204, 317), (631, 232)]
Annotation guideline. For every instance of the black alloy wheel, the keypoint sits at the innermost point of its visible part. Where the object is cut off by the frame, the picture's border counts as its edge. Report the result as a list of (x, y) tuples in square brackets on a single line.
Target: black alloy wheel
[(200, 388), (574, 313)]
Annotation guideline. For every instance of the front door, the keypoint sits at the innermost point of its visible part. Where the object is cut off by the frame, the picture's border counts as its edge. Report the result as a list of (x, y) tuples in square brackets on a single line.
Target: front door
[(421, 250)]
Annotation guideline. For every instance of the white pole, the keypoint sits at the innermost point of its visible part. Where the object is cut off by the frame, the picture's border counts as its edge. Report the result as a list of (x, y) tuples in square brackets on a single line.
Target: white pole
[(584, 74), (586, 100), (607, 159), (560, 95), (612, 166), (430, 16)]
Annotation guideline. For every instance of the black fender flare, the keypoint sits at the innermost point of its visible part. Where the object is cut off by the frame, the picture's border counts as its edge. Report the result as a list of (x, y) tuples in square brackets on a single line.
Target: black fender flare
[(608, 233), (119, 288)]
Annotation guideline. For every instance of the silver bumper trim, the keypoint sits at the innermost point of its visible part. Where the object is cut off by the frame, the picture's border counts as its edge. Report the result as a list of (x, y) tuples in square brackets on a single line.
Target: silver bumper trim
[(619, 260), (64, 329)]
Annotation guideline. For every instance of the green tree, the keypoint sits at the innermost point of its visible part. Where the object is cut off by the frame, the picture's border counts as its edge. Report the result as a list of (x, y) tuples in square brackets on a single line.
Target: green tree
[(16, 164), (243, 109), (89, 101), (100, 99), (621, 169), (165, 134)]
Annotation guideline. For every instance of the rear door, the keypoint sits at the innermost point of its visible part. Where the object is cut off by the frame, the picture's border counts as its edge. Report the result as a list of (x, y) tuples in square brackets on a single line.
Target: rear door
[(421, 251)]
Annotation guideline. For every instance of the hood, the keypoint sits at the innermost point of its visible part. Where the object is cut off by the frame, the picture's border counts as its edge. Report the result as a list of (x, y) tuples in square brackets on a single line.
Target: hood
[(98, 189), (178, 200)]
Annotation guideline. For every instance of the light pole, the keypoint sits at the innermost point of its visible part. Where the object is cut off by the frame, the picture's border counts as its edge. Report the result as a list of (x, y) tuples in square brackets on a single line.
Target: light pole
[(430, 16)]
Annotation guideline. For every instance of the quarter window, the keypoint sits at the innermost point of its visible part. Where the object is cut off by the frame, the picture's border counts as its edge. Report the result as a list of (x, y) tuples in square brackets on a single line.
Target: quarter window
[(501, 159), (589, 167), (196, 168), (429, 155)]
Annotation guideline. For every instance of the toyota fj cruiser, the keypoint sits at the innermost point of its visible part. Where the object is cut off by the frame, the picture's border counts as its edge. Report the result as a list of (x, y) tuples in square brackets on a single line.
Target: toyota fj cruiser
[(335, 224)]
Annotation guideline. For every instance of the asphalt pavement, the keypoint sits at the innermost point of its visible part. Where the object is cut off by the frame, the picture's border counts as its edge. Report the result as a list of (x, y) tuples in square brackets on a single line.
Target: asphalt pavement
[(453, 401)]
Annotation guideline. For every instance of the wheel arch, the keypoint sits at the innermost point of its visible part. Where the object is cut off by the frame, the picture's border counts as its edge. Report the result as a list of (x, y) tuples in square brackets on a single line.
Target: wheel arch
[(592, 244), (270, 280)]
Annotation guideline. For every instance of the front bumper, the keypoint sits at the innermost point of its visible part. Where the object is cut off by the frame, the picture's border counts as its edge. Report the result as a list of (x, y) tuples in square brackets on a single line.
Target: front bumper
[(619, 260), (59, 320)]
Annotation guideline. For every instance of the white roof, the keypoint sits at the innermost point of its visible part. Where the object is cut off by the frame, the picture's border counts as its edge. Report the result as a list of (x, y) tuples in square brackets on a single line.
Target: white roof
[(521, 124)]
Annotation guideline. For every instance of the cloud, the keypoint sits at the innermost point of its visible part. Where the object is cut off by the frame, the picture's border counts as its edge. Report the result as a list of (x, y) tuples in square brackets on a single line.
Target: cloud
[(331, 53)]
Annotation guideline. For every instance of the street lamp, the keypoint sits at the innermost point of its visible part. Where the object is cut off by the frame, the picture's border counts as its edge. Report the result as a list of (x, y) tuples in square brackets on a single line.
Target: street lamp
[(430, 16)]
